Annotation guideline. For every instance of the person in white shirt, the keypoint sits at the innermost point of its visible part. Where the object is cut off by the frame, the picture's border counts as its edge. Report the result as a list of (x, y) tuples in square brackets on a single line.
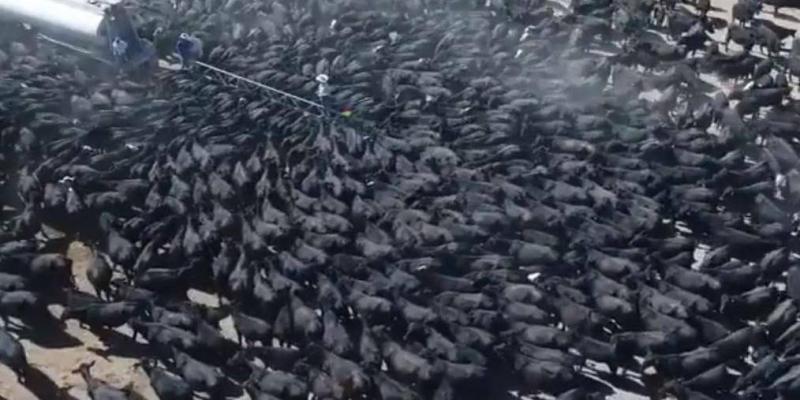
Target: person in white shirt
[(323, 90), (119, 48)]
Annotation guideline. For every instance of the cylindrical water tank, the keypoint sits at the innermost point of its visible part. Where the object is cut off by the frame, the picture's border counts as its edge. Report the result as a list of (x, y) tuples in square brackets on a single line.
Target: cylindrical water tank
[(71, 20), (89, 25)]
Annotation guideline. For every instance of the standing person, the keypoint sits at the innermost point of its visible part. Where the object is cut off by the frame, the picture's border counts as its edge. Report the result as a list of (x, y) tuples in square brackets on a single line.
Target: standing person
[(119, 49), (189, 49), (323, 90)]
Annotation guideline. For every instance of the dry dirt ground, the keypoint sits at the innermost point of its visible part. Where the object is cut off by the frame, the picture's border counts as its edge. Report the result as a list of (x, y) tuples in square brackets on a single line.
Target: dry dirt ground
[(56, 363), (113, 352), (115, 355)]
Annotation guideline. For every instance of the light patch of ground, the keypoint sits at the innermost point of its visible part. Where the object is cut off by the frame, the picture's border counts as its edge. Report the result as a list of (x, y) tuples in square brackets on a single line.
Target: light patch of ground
[(57, 363), (114, 359)]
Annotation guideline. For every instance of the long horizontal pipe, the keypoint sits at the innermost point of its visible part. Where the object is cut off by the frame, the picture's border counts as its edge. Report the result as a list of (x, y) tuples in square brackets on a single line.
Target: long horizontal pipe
[(74, 18)]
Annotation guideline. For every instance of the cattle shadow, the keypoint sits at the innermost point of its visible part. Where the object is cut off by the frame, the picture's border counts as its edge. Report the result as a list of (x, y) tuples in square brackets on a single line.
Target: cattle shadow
[(622, 382), (501, 384), (119, 345), (593, 385), (56, 245), (231, 390), (38, 383), (44, 331), (786, 17)]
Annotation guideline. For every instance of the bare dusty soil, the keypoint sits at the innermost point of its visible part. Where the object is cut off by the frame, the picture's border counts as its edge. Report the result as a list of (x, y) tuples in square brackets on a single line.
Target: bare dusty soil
[(54, 352), (53, 359)]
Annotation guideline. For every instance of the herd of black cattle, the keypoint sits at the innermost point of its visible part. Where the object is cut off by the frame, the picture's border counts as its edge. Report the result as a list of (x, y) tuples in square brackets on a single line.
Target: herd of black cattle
[(514, 219)]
